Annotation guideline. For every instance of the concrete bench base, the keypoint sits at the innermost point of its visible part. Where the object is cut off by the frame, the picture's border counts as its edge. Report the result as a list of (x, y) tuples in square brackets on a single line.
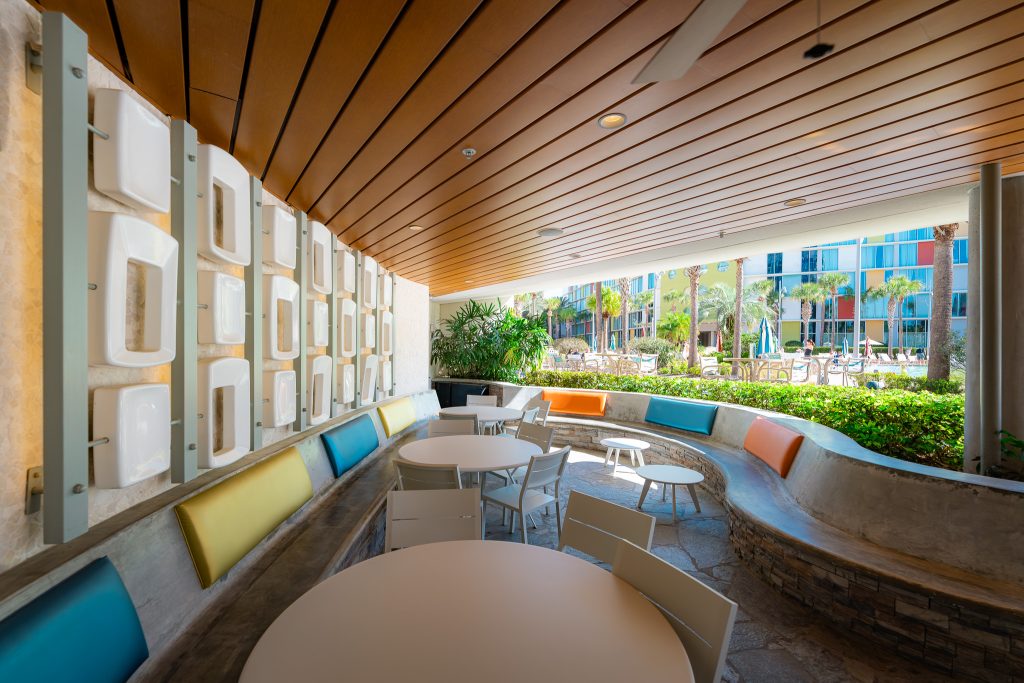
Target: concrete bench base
[(963, 624)]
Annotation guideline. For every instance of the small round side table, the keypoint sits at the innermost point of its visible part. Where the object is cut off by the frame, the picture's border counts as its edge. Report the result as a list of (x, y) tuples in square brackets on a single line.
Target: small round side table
[(669, 475), (635, 448)]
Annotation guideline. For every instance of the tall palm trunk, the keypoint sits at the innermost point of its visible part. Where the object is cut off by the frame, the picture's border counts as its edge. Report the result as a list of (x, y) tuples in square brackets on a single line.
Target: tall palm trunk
[(737, 317), (891, 310), (549, 322), (693, 272), (942, 303), (623, 283), (805, 313), (598, 319)]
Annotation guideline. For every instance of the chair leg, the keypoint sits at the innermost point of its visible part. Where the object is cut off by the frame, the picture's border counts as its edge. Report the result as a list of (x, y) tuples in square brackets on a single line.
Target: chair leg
[(512, 521), (523, 529), (693, 495), (558, 521), (664, 492), (640, 457)]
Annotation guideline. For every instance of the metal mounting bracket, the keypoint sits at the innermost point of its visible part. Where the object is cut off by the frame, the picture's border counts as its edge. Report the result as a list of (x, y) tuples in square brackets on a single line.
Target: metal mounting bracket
[(34, 490), (34, 67)]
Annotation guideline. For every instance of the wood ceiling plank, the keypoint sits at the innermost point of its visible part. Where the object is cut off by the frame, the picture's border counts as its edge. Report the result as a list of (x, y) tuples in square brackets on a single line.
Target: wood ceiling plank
[(430, 121), (217, 41), (353, 35), (92, 17), (420, 35), (283, 46), (639, 158), (152, 41)]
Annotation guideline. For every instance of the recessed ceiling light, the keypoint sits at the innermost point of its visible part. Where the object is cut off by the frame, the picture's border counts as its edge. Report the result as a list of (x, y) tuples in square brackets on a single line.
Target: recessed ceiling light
[(575, 255), (415, 228), (796, 201), (468, 281), (469, 152), (550, 232), (613, 120)]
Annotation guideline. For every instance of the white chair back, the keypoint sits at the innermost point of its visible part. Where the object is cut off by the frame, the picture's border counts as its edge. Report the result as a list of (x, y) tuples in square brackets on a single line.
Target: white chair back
[(545, 470), (595, 527), (413, 476), (542, 413), (482, 401), (530, 416), (535, 434), (472, 419), (418, 517), (451, 427), (701, 616)]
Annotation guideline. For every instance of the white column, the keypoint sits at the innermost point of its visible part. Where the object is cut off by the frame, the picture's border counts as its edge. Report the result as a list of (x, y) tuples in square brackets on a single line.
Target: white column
[(990, 375)]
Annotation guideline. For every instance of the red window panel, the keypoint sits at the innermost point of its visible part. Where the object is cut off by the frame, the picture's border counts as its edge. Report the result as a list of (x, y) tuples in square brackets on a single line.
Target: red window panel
[(925, 253), (846, 308)]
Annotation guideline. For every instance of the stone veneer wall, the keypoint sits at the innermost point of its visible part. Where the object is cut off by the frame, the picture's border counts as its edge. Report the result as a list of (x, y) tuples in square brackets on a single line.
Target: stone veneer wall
[(971, 641)]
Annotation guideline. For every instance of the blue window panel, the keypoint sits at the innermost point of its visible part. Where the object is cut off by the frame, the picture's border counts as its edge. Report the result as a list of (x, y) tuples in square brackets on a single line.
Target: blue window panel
[(809, 277), (829, 259), (918, 234), (960, 250), (790, 282), (775, 262), (874, 308), (960, 277), (908, 254), (877, 256), (650, 281), (959, 304), (808, 260), (917, 306)]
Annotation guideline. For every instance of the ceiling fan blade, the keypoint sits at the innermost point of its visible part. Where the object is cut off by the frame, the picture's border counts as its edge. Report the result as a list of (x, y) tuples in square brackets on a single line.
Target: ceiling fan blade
[(690, 40)]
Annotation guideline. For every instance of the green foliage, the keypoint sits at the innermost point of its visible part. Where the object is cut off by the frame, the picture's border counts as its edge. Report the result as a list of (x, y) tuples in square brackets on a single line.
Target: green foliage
[(665, 349), (484, 341), (679, 367), (957, 349), (572, 345), (674, 327), (895, 380), (921, 427)]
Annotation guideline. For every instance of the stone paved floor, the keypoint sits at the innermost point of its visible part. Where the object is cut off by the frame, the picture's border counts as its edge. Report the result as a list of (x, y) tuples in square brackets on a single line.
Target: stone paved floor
[(775, 639)]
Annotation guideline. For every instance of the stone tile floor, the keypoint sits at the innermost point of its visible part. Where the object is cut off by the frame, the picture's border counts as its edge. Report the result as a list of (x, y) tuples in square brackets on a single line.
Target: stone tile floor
[(775, 638)]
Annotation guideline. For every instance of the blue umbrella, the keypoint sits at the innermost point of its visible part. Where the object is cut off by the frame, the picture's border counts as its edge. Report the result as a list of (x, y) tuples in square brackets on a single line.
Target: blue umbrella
[(846, 346), (765, 338)]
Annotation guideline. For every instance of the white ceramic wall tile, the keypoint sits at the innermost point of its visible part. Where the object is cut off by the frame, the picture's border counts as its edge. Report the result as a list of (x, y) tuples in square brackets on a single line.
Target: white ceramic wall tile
[(134, 164), (278, 236), (321, 241), (223, 207), (369, 282), (321, 381), (348, 384), (223, 429), (386, 332), (368, 388), (319, 332), (387, 284), (369, 329), (280, 338), (348, 328), (279, 408), (116, 242), (222, 321), (137, 421), (385, 376), (346, 280)]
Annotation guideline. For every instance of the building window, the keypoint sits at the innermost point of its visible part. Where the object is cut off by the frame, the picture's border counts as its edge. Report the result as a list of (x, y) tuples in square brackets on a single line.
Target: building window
[(650, 281), (917, 235), (808, 277), (808, 260), (960, 251), (959, 304), (775, 263), (879, 256), (723, 266), (829, 259), (908, 254)]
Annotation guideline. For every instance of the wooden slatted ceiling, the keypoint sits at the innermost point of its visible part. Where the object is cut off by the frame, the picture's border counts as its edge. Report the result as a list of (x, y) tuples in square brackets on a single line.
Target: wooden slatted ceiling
[(357, 111)]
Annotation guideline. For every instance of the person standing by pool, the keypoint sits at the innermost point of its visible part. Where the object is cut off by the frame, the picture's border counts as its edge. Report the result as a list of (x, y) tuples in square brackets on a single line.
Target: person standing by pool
[(808, 348)]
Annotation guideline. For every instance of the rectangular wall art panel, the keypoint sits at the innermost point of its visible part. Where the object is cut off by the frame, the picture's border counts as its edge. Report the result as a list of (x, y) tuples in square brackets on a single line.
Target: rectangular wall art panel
[(369, 329), (348, 383), (224, 411), (319, 332), (223, 207), (221, 308), (279, 409), (280, 318), (278, 236), (321, 379), (386, 332), (368, 387), (321, 241), (136, 420), (387, 286), (346, 281), (369, 282), (134, 267), (348, 328)]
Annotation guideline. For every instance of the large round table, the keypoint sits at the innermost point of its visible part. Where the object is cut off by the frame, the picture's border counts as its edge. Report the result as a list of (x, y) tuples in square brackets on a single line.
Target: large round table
[(472, 453), (466, 610)]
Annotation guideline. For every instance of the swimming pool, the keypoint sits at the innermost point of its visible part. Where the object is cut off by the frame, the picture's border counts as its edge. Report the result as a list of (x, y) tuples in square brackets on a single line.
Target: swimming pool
[(912, 370)]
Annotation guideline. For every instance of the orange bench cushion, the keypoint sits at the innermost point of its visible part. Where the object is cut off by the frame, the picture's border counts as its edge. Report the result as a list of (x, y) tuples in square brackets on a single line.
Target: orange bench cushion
[(773, 443), (576, 402)]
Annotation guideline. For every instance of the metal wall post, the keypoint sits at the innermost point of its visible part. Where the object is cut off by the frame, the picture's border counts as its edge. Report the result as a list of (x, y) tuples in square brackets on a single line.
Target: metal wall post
[(184, 368), (65, 280), (332, 323), (357, 332), (299, 364), (254, 314)]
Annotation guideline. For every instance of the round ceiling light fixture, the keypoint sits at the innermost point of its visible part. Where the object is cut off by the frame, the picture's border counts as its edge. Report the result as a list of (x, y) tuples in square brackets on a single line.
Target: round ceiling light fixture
[(468, 152), (575, 255), (612, 120), (796, 201), (415, 228), (550, 232)]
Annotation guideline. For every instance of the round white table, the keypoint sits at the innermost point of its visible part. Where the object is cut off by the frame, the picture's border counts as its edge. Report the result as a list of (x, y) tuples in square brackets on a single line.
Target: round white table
[(635, 448), (670, 475), (486, 415), (462, 610), (472, 453)]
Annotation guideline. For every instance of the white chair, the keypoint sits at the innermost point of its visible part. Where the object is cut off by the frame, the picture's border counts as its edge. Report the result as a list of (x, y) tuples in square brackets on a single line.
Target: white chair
[(701, 616), (450, 427), (413, 476), (535, 434), (595, 527), (542, 414), (524, 498), (529, 417), (472, 419), (482, 401), (418, 517)]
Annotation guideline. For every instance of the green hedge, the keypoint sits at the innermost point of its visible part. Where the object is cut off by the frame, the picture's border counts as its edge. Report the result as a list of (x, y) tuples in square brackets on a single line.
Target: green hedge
[(919, 427), (895, 380)]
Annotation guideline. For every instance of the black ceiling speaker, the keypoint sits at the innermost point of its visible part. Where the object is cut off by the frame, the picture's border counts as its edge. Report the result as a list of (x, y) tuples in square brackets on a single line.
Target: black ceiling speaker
[(819, 49)]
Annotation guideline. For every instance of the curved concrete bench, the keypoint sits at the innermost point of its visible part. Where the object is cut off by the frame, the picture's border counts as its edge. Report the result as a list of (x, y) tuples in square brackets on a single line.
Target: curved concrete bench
[(953, 617)]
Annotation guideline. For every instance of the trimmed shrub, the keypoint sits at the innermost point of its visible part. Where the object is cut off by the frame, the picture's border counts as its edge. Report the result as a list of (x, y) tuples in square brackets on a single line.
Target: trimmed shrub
[(922, 427), (895, 380), (568, 345), (665, 349)]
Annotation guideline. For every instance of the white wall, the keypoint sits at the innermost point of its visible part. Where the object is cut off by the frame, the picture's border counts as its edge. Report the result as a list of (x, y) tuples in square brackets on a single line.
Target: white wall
[(412, 337)]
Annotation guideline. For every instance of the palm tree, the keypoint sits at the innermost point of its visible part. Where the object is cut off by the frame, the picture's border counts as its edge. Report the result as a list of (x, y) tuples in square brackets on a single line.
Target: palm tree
[(900, 288), (672, 297), (642, 301), (882, 292), (942, 303), (809, 293), (551, 305), (832, 283), (519, 303), (674, 327), (598, 314), (610, 307), (693, 273), (566, 315), (737, 342), (623, 283)]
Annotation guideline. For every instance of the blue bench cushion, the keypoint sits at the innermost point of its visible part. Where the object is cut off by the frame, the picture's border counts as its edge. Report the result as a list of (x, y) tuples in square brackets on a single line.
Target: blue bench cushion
[(349, 443), (686, 415), (84, 629)]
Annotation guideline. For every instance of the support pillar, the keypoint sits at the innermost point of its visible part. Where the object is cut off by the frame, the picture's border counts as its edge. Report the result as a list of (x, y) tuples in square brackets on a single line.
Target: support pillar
[(856, 305), (1011, 318), (972, 382), (254, 314), (988, 197)]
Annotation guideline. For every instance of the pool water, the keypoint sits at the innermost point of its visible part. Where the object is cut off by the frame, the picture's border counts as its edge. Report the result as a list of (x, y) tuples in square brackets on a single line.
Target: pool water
[(912, 370)]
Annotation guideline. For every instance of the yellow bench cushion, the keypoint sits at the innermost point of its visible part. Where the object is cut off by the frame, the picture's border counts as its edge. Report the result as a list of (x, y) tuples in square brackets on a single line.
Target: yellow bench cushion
[(222, 524), (397, 415)]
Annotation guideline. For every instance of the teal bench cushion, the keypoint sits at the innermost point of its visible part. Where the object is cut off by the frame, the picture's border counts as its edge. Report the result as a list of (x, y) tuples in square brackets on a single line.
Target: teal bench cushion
[(349, 443), (84, 629), (686, 415)]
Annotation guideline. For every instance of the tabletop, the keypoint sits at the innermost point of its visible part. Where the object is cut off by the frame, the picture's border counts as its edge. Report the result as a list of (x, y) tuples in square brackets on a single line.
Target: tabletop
[(485, 413), (628, 444), (670, 474), (472, 453), (500, 612)]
